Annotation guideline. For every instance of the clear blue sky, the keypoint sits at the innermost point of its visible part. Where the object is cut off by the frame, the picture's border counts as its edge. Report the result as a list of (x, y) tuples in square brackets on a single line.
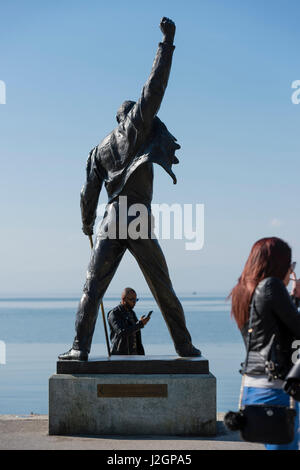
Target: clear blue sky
[(69, 64)]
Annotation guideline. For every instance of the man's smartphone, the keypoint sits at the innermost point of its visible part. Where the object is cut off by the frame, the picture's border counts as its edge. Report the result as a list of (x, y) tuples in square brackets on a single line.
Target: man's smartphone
[(149, 314)]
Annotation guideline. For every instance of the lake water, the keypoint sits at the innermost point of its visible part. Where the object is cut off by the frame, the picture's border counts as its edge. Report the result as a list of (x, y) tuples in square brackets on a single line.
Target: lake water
[(35, 331)]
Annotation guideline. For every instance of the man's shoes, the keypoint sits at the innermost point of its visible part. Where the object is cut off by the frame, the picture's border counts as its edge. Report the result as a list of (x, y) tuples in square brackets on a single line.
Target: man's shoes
[(188, 351), (74, 355)]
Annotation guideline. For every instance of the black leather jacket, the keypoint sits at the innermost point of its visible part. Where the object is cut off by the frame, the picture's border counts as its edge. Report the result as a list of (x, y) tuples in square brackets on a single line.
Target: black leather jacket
[(275, 325), (122, 330)]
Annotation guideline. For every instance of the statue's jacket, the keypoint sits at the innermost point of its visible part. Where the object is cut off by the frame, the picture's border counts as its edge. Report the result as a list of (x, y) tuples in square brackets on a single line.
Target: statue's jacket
[(141, 137)]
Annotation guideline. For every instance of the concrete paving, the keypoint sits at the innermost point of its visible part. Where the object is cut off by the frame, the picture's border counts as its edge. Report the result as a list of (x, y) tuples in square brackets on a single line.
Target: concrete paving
[(31, 433)]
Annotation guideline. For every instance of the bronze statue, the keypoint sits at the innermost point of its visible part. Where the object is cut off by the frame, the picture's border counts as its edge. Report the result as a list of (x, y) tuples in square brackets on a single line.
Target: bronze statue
[(124, 162)]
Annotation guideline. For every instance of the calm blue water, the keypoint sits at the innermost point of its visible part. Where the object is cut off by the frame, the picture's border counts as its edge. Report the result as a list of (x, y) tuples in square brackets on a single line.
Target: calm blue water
[(35, 331)]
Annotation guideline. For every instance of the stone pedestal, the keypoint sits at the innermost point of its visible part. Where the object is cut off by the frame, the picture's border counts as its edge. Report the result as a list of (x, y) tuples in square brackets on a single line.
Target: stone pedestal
[(162, 395)]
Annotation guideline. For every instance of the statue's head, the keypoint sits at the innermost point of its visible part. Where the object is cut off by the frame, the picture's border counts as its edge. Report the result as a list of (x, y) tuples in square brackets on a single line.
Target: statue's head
[(123, 110)]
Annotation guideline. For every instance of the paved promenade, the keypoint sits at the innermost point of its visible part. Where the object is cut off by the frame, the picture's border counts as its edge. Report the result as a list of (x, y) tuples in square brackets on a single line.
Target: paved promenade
[(31, 432)]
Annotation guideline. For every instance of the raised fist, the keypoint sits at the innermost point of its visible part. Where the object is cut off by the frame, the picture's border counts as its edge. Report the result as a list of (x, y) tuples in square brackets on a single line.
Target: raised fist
[(167, 27)]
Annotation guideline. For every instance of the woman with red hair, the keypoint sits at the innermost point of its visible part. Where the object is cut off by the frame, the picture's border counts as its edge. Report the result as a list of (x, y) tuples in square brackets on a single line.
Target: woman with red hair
[(275, 323)]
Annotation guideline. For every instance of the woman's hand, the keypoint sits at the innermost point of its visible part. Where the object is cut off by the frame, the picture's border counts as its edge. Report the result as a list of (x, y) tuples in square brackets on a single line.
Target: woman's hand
[(295, 286)]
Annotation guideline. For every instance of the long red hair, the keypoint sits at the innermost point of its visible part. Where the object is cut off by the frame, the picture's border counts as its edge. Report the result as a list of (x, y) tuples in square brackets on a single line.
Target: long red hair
[(268, 257)]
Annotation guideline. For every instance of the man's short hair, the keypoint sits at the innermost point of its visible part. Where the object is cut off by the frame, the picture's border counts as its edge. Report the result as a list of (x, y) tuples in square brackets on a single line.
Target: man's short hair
[(126, 291)]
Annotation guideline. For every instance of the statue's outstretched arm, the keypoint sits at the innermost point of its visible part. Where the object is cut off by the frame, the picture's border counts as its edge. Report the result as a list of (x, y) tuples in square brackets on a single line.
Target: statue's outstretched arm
[(143, 112)]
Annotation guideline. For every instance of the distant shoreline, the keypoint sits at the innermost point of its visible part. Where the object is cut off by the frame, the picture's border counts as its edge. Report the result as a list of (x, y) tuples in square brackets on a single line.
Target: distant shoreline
[(49, 298)]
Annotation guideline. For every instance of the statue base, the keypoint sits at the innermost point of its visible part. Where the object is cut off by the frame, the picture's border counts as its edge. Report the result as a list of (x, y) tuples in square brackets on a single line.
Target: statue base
[(161, 395)]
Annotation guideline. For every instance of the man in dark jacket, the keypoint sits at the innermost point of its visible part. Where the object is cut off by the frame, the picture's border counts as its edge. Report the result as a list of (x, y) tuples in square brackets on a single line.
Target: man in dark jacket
[(124, 162), (125, 328)]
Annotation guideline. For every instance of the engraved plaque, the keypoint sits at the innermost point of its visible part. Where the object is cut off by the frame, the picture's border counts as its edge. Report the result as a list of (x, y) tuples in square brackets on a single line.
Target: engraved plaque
[(132, 390)]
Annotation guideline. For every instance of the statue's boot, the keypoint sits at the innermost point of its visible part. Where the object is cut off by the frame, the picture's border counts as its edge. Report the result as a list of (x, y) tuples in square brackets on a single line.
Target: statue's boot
[(74, 355), (188, 350)]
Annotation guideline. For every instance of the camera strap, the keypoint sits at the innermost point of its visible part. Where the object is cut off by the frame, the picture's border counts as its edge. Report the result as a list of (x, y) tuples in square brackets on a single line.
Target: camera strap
[(250, 329)]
